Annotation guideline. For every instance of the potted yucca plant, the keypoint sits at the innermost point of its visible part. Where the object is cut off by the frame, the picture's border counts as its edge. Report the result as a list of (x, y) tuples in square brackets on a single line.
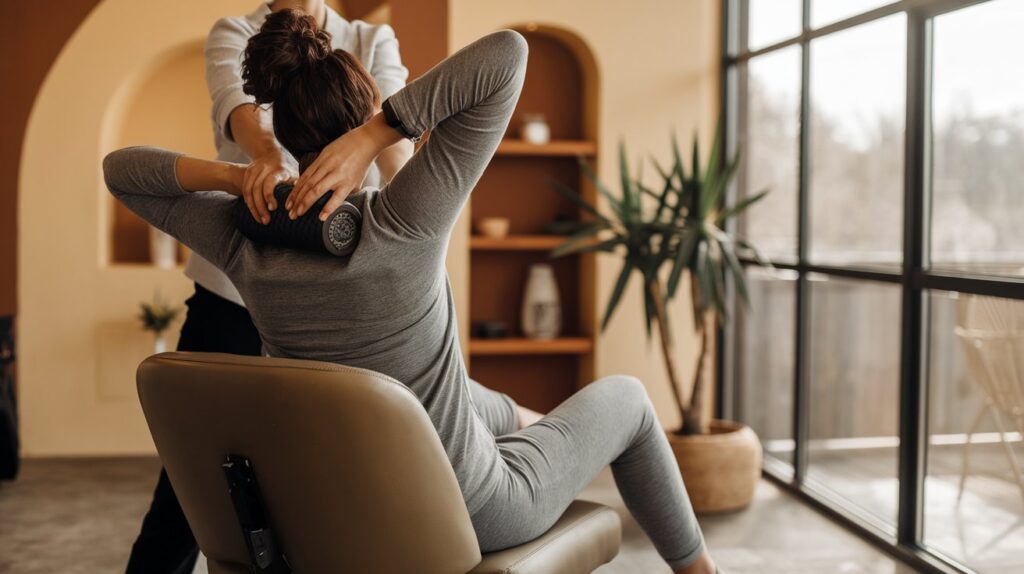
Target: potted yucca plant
[(663, 235)]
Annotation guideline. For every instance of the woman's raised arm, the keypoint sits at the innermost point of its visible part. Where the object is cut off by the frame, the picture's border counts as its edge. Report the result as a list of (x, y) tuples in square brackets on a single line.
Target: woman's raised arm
[(467, 101), (159, 185)]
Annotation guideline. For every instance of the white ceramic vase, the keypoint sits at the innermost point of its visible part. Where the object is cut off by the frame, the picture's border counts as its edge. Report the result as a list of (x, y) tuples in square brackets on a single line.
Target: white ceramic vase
[(159, 343), (163, 249), (542, 310)]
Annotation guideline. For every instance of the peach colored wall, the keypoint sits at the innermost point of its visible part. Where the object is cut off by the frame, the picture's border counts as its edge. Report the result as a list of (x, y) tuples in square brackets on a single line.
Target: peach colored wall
[(33, 36), (658, 66), (78, 333), (170, 107)]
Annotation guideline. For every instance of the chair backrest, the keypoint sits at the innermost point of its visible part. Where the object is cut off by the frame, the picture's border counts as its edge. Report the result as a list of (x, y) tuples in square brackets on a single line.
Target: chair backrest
[(352, 472), (992, 333)]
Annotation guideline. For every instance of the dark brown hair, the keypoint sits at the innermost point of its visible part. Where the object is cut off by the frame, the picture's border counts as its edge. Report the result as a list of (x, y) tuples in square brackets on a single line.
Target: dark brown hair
[(317, 93)]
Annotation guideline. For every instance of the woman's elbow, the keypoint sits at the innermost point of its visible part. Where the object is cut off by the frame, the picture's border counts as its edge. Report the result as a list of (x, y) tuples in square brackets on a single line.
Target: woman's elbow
[(120, 169), (113, 172), (514, 45)]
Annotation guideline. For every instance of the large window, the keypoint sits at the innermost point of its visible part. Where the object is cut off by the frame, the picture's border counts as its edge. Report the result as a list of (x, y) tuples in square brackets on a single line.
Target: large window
[(977, 134), (855, 133), (882, 359)]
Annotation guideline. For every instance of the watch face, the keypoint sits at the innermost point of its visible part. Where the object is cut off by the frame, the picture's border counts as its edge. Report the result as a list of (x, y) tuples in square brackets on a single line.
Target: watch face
[(341, 231)]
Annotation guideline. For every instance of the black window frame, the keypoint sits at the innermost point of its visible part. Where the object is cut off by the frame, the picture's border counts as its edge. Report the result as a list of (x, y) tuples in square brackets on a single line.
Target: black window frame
[(914, 276)]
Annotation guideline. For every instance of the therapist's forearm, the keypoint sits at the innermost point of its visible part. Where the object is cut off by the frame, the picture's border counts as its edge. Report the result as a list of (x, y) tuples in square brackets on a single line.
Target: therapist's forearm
[(253, 132), (196, 174), (394, 158)]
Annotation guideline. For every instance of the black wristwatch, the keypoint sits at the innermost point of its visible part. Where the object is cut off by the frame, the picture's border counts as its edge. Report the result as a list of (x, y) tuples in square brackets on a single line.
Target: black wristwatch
[(393, 121)]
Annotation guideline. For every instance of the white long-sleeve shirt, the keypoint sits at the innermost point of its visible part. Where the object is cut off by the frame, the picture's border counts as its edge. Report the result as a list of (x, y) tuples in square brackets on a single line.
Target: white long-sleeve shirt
[(374, 45)]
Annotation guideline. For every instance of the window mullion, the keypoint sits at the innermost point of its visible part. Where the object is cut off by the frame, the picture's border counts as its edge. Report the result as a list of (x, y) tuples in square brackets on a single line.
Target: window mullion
[(800, 386), (913, 412)]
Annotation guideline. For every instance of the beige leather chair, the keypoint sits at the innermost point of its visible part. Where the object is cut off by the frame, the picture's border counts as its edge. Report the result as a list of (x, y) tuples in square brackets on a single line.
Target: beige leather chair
[(353, 475)]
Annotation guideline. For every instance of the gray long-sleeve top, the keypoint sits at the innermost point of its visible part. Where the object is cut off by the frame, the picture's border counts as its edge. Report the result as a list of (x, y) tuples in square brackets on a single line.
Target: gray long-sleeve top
[(388, 306)]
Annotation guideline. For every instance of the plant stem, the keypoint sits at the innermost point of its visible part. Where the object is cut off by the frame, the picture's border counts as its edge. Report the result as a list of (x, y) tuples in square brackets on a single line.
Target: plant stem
[(694, 421), (666, 345)]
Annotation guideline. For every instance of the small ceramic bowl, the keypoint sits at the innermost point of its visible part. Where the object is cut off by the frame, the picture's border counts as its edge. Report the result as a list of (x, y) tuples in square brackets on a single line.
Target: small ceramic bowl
[(493, 227)]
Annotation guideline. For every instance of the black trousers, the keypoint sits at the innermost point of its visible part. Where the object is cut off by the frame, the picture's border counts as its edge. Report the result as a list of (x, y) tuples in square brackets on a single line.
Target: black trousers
[(165, 544)]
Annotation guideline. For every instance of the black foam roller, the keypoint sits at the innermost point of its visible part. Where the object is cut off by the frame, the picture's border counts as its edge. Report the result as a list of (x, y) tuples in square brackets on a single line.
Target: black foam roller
[(338, 235)]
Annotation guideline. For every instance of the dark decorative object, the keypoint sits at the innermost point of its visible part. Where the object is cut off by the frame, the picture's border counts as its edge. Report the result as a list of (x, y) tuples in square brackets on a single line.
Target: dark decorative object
[(491, 330), (9, 444), (562, 225)]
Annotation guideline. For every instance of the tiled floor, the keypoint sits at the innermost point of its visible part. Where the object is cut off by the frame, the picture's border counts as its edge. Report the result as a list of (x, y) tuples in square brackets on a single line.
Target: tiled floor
[(80, 516), (983, 528), (776, 535)]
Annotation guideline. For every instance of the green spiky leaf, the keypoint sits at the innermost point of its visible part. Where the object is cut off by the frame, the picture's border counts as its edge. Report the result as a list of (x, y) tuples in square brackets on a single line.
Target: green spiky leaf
[(684, 253), (761, 259), (582, 237), (607, 246), (573, 196), (695, 161), (630, 201), (620, 286), (740, 206), (615, 203)]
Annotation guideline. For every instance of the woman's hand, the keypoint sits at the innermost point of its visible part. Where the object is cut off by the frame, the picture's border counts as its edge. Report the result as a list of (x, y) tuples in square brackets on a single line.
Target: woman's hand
[(341, 166), (261, 177)]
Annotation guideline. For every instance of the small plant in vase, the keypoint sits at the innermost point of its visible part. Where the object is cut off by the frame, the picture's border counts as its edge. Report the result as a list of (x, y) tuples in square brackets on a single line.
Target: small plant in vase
[(664, 234), (157, 317)]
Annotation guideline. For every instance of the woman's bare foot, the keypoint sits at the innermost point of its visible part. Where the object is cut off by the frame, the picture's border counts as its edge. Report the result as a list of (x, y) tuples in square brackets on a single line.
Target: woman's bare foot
[(703, 565)]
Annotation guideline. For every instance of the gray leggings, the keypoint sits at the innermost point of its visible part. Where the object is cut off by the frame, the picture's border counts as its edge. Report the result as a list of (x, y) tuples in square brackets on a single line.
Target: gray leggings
[(547, 464)]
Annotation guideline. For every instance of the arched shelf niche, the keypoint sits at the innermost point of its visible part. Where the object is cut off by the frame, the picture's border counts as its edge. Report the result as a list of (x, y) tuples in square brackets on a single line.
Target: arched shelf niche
[(561, 85)]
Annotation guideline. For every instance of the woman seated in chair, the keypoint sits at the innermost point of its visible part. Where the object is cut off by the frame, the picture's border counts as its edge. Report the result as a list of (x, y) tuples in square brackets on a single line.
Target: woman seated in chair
[(388, 305)]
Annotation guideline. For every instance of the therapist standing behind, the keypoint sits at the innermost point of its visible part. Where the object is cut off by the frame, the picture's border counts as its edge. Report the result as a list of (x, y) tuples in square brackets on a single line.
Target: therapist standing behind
[(217, 320)]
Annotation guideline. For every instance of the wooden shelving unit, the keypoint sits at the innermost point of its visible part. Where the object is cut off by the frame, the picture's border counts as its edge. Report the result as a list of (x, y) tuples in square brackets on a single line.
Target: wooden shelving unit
[(517, 243), (555, 148), (521, 346), (539, 374)]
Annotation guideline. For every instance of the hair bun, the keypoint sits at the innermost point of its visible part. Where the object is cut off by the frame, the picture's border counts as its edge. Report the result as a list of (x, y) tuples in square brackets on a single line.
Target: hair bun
[(288, 43)]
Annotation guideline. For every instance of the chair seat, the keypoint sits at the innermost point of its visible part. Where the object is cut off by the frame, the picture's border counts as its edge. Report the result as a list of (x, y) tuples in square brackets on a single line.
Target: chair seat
[(585, 537)]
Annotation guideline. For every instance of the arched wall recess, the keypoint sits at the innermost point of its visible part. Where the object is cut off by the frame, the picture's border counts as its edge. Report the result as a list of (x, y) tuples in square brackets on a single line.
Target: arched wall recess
[(586, 64), (79, 338), (164, 104)]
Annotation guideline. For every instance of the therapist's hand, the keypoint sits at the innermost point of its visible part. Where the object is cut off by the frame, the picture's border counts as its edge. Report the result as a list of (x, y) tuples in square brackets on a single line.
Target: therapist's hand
[(261, 177), (341, 166)]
